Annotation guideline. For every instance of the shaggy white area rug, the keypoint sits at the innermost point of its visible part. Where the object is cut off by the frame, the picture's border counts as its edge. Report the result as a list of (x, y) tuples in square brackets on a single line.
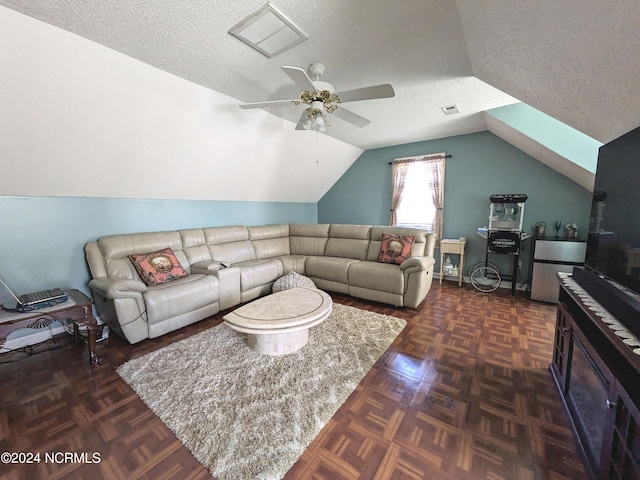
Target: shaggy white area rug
[(248, 416)]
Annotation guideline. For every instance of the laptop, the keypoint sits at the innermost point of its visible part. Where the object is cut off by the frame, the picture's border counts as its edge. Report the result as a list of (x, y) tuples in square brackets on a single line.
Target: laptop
[(33, 301)]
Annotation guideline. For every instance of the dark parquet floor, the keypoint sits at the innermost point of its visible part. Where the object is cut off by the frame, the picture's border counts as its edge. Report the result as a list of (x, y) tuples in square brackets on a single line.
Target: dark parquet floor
[(462, 394)]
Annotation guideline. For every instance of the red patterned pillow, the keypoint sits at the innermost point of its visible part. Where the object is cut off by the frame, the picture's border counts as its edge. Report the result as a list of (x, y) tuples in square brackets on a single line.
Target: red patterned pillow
[(395, 248), (158, 267)]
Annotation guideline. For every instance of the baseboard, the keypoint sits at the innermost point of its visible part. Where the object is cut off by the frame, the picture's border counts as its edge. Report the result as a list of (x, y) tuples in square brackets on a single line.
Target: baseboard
[(503, 283)]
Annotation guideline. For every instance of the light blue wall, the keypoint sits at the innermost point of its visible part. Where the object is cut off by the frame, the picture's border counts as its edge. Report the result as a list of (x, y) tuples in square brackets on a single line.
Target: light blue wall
[(42, 238), (482, 164), (553, 134)]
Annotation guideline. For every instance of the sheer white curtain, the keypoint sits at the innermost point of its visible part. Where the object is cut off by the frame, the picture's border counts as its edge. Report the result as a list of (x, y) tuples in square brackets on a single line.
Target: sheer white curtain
[(418, 192), (398, 176), (436, 185)]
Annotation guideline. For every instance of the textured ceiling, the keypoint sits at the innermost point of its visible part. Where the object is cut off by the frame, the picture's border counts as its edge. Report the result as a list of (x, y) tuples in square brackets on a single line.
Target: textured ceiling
[(575, 60)]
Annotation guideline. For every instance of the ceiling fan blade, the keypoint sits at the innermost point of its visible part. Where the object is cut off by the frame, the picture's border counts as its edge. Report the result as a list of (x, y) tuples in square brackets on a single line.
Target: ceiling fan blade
[(301, 79), (271, 103), (367, 93), (303, 119), (352, 118)]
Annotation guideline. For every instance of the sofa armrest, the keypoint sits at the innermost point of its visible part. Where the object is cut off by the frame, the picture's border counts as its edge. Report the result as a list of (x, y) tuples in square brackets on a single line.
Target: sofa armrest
[(117, 288), (120, 304), (208, 267), (229, 281), (415, 264), (418, 274)]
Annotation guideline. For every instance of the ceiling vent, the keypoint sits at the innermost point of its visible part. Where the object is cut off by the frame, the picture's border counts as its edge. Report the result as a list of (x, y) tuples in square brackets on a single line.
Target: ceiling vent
[(450, 110), (268, 31)]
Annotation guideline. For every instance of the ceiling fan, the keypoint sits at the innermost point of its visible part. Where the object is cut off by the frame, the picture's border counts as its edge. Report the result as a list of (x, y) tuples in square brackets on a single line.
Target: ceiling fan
[(322, 99)]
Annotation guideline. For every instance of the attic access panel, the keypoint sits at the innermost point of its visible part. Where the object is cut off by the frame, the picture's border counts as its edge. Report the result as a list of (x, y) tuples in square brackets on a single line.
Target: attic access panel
[(268, 31)]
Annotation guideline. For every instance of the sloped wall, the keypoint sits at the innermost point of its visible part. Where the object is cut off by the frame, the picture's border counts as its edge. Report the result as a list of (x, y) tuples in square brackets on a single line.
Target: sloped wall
[(79, 119), (564, 149)]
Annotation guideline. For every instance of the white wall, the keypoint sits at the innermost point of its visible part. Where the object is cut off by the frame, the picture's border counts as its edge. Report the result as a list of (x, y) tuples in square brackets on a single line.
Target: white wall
[(93, 142), (79, 119)]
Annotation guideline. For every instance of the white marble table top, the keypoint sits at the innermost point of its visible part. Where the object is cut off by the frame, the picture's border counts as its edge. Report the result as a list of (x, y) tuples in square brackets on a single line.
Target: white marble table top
[(289, 310)]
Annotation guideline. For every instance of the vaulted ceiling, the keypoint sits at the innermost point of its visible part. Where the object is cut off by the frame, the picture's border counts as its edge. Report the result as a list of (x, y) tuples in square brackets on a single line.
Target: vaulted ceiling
[(576, 60)]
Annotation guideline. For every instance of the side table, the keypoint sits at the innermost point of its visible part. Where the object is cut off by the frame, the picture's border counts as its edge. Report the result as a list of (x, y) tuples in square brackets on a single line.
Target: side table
[(453, 247), (88, 328), (77, 308)]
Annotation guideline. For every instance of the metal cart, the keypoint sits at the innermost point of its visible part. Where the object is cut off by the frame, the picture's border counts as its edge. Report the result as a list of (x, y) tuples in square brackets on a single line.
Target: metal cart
[(504, 237)]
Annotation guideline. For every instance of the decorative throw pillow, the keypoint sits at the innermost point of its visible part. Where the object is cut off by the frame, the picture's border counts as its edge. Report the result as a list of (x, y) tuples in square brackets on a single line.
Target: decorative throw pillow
[(292, 280), (395, 248), (157, 268)]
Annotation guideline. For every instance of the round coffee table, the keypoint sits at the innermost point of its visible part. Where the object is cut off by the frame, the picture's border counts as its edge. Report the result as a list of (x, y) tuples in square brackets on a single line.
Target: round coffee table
[(278, 324)]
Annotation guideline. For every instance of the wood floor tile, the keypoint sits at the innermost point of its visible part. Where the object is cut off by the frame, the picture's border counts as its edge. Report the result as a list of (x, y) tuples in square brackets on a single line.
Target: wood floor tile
[(462, 394)]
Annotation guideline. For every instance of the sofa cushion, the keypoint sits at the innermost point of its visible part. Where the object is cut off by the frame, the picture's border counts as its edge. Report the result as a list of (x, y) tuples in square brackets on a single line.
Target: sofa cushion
[(293, 263), (180, 297), (395, 248), (156, 268), (119, 246), (270, 240), (308, 239), (333, 269), (194, 245), (229, 244), (257, 273), (348, 241), (116, 248), (382, 277), (265, 232)]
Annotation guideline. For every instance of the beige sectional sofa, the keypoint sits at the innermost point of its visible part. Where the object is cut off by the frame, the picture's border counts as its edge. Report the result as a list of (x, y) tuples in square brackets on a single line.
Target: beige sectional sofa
[(231, 265)]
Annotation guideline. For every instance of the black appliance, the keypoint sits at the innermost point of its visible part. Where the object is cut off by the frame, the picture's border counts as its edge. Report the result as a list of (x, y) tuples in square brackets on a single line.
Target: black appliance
[(504, 237), (612, 272)]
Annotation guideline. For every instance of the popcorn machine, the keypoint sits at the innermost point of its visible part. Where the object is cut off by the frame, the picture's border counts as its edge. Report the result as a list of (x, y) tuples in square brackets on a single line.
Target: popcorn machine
[(504, 237), (506, 212)]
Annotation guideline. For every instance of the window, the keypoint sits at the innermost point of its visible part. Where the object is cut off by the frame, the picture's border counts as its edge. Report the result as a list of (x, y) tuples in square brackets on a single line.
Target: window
[(418, 192)]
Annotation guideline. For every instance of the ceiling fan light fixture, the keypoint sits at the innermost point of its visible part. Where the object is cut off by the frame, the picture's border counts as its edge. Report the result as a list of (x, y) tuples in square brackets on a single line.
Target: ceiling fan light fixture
[(319, 124), (268, 31), (316, 119)]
